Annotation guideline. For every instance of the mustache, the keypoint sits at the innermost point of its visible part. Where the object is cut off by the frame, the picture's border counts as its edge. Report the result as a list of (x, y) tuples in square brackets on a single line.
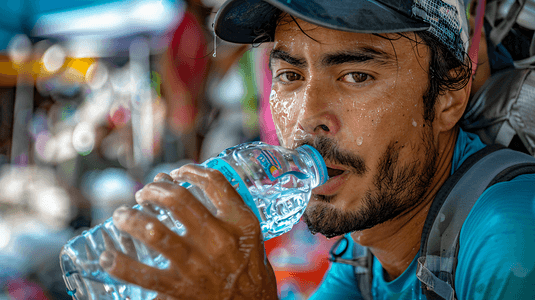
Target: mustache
[(329, 149)]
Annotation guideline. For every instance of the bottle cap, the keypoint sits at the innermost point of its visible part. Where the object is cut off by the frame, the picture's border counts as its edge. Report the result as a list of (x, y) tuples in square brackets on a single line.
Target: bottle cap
[(318, 160)]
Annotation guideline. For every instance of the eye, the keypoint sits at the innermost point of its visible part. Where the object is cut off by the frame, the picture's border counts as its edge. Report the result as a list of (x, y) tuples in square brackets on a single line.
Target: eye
[(289, 77), (356, 77)]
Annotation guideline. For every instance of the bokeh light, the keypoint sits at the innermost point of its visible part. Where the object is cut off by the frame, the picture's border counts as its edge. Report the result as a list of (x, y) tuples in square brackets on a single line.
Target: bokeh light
[(54, 58), (19, 48), (5, 234), (96, 75), (53, 204), (64, 149), (11, 185), (83, 138)]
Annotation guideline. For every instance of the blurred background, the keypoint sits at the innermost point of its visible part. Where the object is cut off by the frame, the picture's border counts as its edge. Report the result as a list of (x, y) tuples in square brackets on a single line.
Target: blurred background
[(97, 97)]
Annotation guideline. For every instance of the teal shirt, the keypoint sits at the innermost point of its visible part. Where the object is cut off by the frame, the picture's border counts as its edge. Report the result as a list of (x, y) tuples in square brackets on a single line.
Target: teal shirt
[(496, 247)]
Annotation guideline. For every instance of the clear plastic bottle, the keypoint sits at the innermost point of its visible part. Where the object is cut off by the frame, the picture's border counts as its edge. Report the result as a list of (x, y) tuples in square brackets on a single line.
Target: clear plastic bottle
[(274, 182)]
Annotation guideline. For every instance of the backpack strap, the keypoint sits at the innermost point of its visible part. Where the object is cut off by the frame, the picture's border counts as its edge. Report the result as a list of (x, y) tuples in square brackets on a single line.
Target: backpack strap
[(362, 263), (364, 272), (440, 236)]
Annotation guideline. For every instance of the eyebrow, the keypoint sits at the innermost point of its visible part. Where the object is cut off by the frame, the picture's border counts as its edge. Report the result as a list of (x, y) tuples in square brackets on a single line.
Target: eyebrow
[(360, 55), (285, 56)]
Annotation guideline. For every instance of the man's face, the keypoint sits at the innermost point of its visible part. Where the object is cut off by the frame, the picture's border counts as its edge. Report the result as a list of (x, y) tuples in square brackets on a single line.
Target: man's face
[(358, 99)]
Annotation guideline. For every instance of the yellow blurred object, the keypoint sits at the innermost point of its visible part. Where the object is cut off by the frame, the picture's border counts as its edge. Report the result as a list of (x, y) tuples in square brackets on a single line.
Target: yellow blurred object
[(8, 73), (80, 64), (74, 68)]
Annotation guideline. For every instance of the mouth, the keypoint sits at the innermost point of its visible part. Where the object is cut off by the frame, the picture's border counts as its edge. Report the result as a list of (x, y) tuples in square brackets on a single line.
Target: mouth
[(334, 172), (337, 177)]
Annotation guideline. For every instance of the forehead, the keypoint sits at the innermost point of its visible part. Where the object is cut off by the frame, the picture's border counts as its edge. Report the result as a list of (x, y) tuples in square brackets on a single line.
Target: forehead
[(295, 35)]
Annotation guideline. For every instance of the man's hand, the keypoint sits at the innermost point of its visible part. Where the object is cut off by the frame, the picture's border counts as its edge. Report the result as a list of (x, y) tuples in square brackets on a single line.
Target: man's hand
[(219, 257)]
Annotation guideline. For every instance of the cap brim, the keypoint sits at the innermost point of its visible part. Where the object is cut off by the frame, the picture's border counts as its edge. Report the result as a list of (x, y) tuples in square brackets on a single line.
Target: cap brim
[(247, 21)]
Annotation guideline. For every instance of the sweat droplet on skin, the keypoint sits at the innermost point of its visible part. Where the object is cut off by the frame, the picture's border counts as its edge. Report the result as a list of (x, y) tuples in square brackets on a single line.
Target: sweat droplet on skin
[(414, 123), (150, 228), (360, 140)]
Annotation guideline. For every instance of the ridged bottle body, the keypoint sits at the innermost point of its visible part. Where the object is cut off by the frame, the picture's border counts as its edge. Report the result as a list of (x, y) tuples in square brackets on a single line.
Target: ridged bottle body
[(274, 182)]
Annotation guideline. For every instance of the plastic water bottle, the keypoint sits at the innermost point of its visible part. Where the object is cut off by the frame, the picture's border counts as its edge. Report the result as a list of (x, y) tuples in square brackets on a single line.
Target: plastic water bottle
[(274, 182)]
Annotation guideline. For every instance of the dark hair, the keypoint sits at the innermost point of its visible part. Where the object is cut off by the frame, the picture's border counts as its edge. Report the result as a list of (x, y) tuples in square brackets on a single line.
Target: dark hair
[(446, 72)]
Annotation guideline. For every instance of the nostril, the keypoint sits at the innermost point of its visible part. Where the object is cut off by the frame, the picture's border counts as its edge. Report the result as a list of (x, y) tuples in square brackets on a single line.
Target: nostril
[(323, 127)]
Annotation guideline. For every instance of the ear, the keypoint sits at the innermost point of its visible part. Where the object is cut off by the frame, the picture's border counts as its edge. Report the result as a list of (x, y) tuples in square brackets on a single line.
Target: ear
[(450, 108)]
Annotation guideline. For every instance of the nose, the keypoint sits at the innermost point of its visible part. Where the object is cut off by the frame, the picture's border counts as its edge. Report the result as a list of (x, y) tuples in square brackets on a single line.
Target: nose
[(318, 112)]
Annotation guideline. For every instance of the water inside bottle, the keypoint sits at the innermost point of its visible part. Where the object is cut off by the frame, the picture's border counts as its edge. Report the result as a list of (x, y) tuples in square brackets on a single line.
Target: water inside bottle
[(281, 204), (83, 275), (280, 185), (98, 284)]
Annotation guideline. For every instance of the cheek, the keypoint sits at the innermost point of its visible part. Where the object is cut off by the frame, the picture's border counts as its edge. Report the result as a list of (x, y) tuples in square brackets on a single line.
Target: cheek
[(384, 117), (285, 112), (369, 118)]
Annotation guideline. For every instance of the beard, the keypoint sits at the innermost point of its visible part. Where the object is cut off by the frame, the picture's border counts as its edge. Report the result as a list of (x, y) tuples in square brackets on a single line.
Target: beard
[(397, 188)]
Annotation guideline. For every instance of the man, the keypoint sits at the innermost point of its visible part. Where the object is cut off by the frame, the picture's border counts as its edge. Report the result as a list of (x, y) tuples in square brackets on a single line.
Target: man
[(378, 88)]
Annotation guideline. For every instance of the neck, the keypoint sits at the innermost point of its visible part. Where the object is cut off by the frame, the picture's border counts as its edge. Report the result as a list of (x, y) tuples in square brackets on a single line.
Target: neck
[(396, 242)]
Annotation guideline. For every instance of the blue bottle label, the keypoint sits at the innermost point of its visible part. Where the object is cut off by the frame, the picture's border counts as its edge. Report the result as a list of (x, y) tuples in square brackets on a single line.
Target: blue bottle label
[(273, 168), (270, 164), (235, 180)]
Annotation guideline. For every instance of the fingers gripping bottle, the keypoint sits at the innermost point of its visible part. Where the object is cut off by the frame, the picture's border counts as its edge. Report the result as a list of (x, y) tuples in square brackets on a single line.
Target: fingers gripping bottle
[(273, 181)]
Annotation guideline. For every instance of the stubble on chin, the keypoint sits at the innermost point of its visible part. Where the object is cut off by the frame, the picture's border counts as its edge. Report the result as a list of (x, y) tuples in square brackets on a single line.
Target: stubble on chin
[(397, 189)]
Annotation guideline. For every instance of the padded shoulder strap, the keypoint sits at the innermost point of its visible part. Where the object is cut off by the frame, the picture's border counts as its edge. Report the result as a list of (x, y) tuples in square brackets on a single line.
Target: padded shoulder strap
[(362, 262), (451, 206), (364, 272)]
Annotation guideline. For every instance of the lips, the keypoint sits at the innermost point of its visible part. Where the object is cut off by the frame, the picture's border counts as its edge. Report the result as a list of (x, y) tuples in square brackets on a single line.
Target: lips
[(337, 177)]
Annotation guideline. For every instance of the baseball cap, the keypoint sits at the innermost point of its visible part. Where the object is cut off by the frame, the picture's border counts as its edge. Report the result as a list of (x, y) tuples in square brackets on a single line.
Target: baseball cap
[(252, 21)]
